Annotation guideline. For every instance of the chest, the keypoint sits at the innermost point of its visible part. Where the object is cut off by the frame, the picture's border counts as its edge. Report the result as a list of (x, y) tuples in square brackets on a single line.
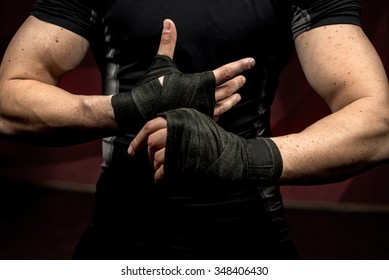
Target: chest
[(222, 29)]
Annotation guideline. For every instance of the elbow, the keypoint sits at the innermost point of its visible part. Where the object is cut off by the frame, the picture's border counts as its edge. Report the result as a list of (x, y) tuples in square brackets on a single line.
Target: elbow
[(8, 128), (379, 137)]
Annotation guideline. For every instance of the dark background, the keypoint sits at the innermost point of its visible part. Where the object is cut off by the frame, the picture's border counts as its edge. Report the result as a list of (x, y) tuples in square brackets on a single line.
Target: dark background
[(46, 194)]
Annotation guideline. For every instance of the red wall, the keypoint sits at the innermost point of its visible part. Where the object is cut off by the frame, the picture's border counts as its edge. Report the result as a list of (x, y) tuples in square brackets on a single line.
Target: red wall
[(295, 107)]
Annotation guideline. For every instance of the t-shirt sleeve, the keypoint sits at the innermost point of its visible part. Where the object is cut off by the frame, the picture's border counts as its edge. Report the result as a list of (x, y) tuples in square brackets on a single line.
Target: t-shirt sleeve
[(309, 14), (79, 16)]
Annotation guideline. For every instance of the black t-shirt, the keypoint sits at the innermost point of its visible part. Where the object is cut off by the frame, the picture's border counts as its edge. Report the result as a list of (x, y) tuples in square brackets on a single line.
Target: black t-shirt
[(124, 37)]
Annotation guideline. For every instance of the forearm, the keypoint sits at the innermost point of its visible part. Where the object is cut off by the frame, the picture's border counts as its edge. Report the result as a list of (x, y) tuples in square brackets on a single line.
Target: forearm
[(343, 144), (186, 143), (47, 115)]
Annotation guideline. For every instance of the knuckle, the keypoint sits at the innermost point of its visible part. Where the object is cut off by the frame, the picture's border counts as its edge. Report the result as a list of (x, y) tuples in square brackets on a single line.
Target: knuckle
[(227, 73), (241, 81), (148, 127), (151, 141)]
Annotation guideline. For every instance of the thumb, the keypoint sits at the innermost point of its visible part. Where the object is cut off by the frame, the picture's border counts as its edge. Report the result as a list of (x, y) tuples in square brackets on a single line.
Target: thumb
[(168, 39)]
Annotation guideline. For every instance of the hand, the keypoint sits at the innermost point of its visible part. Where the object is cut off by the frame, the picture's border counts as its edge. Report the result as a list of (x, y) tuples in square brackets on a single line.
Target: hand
[(153, 134), (228, 81), (227, 77)]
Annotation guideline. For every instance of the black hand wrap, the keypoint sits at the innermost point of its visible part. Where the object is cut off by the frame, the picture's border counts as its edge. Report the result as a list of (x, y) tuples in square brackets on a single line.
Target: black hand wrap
[(133, 109), (197, 147)]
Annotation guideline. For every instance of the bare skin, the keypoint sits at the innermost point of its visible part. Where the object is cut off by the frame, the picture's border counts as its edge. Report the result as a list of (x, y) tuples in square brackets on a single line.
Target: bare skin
[(34, 109), (343, 67)]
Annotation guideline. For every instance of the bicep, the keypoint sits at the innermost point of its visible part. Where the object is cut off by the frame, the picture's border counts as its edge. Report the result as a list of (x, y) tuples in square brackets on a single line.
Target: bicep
[(43, 52), (341, 64)]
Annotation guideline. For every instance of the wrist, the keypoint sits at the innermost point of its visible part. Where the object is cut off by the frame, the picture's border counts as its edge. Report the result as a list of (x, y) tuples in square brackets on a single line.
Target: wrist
[(264, 161)]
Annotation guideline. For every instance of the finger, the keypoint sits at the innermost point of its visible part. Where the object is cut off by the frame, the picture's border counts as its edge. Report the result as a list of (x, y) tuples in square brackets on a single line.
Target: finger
[(228, 88), (159, 159), (230, 70), (225, 105), (140, 140), (156, 141), (168, 39), (159, 175)]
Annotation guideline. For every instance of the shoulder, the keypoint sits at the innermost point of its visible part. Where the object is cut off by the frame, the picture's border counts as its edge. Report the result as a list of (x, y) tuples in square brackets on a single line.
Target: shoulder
[(309, 14), (80, 16)]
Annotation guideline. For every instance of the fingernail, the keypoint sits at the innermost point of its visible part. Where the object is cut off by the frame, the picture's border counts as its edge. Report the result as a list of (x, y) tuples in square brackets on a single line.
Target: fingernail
[(130, 151), (251, 63), (166, 25)]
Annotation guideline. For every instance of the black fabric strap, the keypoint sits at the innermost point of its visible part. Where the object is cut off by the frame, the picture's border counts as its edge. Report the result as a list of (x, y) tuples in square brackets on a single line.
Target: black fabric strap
[(133, 109), (197, 147), (264, 160), (127, 115)]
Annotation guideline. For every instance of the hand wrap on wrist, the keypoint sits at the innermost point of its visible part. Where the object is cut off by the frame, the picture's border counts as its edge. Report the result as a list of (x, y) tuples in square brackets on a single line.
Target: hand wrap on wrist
[(197, 147), (149, 98)]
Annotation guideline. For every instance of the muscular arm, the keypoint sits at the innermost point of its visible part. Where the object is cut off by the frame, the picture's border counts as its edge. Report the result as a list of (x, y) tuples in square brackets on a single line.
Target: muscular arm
[(342, 66), (32, 107)]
